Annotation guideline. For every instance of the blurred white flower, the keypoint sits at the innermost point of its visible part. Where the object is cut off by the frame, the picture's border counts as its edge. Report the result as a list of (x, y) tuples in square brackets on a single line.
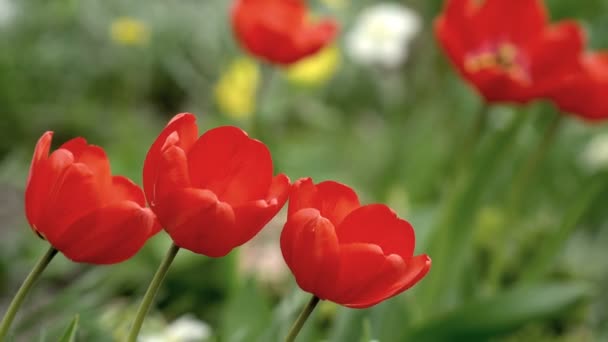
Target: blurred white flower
[(184, 329), (595, 154), (7, 12), (382, 34)]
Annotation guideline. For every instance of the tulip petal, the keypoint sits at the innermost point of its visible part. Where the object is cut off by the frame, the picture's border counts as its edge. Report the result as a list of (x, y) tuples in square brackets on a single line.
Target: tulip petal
[(172, 168), (361, 265), (494, 19), (107, 235), (43, 173), (567, 40), (253, 216), (310, 249), (196, 220), (400, 276), (123, 189), (334, 200), (94, 157), (72, 196), (378, 224), (185, 126), (233, 166)]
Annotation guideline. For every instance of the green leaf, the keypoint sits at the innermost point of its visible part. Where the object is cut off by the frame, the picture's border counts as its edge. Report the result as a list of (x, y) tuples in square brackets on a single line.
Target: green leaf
[(246, 314), (70, 333), (502, 313)]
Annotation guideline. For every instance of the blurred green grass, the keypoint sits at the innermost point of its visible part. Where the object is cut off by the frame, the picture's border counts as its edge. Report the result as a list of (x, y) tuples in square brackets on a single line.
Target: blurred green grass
[(394, 136)]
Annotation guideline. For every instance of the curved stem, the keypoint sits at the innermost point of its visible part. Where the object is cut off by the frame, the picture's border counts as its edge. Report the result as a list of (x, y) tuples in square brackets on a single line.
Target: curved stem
[(299, 323), (24, 290), (144, 307)]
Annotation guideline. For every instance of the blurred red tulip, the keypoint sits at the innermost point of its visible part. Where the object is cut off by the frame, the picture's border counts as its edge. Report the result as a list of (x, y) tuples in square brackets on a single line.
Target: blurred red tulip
[(74, 202), (211, 193), (585, 95), (353, 255), (280, 31), (507, 49)]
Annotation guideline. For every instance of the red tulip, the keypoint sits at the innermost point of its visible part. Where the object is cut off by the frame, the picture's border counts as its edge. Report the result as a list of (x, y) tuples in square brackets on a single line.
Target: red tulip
[(280, 31), (585, 94), (507, 49), (74, 202), (353, 255), (214, 192)]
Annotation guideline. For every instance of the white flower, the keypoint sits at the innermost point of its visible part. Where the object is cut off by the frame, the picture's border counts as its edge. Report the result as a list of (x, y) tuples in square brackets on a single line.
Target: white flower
[(382, 33), (595, 155), (184, 329), (7, 12)]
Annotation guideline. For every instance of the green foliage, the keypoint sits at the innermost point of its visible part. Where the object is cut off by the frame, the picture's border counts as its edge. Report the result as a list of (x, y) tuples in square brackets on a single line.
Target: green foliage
[(403, 137)]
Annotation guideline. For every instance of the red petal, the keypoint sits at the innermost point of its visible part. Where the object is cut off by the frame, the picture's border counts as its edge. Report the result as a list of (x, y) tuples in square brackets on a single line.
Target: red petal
[(94, 157), (361, 266), (123, 189), (253, 216), (46, 178), (399, 276), (277, 30), (585, 94), (567, 40), (334, 200), (310, 249), (185, 126), (108, 235), (495, 20), (172, 168), (236, 168), (72, 196), (197, 221), (38, 178), (377, 224)]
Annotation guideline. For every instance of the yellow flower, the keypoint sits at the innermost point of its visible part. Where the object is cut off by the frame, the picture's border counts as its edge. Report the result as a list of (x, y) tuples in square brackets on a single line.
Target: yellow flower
[(315, 69), (335, 4), (129, 31), (235, 91)]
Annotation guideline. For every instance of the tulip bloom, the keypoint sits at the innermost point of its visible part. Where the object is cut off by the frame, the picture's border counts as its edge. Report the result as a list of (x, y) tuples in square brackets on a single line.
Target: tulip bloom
[(353, 255), (509, 60), (585, 93), (214, 192), (280, 31), (74, 202)]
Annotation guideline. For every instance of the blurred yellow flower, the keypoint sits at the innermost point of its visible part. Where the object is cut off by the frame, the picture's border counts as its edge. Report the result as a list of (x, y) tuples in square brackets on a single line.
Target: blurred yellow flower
[(335, 4), (129, 31), (315, 69), (235, 91)]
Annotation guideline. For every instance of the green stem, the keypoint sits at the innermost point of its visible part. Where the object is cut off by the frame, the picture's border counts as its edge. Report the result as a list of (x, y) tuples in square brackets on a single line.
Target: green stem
[(151, 292), (24, 290), (472, 139), (525, 174), (269, 76), (514, 199), (297, 326), (540, 263)]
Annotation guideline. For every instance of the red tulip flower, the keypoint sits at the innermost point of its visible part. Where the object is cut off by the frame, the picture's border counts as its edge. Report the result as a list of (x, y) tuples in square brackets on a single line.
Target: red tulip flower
[(73, 201), (507, 49), (214, 192), (585, 94), (280, 31), (353, 255)]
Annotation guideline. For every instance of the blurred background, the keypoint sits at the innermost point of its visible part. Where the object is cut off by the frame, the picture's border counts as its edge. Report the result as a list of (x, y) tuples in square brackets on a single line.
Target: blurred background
[(391, 121)]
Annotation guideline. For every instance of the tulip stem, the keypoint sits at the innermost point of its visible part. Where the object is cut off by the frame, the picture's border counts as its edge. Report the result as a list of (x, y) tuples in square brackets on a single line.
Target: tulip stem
[(524, 176), (299, 323), (151, 292), (42, 263)]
